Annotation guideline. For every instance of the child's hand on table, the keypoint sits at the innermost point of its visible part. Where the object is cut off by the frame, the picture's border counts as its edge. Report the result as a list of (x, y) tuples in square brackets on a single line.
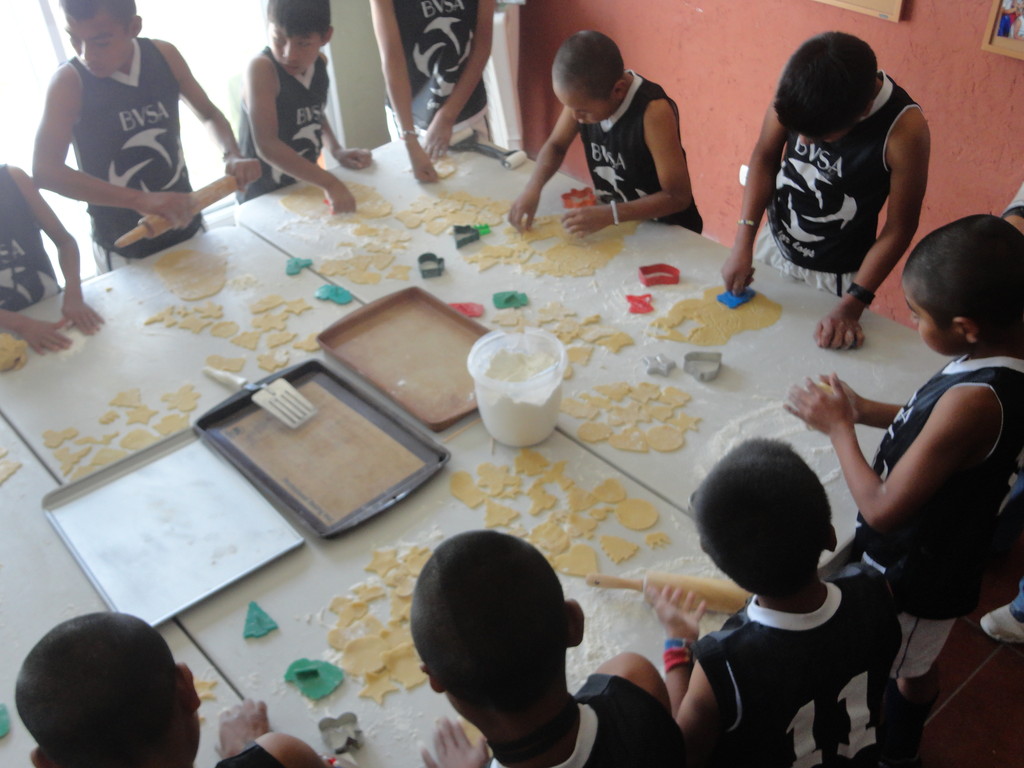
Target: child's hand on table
[(42, 336), (585, 221), (241, 725), (521, 214), (422, 168), (355, 159), (339, 198), (80, 314), (245, 170), (453, 748)]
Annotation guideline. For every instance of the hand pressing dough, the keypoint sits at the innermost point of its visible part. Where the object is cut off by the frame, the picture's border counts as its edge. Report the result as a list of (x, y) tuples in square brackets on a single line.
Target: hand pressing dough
[(192, 275)]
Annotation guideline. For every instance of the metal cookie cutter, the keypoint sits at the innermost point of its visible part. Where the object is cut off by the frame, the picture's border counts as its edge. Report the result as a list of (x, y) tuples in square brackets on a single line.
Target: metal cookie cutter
[(578, 198), (659, 364), (431, 265), (341, 734), (703, 366), (659, 274), (464, 234)]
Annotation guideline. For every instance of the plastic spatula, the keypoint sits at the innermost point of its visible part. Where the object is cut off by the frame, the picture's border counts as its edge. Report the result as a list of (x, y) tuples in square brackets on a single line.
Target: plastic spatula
[(278, 398)]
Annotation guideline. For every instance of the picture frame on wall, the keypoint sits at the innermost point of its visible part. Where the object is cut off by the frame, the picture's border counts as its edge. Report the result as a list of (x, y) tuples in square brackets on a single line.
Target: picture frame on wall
[(1004, 32), (889, 10)]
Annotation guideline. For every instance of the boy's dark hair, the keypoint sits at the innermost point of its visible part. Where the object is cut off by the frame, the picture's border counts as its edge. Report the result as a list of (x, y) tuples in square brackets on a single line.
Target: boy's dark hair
[(826, 85), (588, 62), (763, 518), (98, 690), (300, 17), (489, 620), (973, 267), (83, 10)]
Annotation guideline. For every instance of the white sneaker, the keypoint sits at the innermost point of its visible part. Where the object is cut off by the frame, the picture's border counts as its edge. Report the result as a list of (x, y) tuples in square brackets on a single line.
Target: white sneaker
[(1000, 625)]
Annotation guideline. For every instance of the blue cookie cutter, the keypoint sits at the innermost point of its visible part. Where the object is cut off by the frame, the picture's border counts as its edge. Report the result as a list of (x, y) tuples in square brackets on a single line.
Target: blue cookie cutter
[(731, 300), (294, 266)]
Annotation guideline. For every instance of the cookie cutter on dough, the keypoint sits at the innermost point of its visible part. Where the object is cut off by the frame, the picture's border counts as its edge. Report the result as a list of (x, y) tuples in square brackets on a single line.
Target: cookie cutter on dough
[(732, 300), (431, 265), (658, 274), (578, 198), (341, 734), (703, 366), (659, 364), (464, 234), (506, 299), (483, 229)]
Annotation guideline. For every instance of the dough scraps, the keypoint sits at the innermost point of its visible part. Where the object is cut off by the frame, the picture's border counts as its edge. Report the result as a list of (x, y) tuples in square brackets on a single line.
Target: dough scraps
[(271, 301), (383, 560), (494, 480), (367, 593), (140, 414), (579, 500), (580, 560), (416, 558), (348, 610), (68, 458), (247, 340), (314, 678), (109, 417), (656, 539), (618, 549), (465, 490), (550, 537), (257, 622), (308, 202), (128, 399), (194, 323), (7, 468), (192, 275), (378, 685), (273, 361), (629, 439), (184, 399), (593, 431), (308, 344), (53, 438), (716, 323), (399, 272), (204, 689), (404, 665), (279, 338), (106, 456), (531, 463), (271, 322), (665, 438), (610, 491), (297, 306), (542, 500), (13, 353), (233, 364), (224, 330), (636, 514), (138, 438), (171, 423), (498, 514)]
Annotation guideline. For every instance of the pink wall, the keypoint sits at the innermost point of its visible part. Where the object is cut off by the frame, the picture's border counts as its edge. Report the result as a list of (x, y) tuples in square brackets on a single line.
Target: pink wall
[(719, 60)]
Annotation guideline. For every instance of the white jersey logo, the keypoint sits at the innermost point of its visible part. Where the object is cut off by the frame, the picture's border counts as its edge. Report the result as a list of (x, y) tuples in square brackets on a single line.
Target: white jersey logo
[(816, 175), (431, 61), (147, 140)]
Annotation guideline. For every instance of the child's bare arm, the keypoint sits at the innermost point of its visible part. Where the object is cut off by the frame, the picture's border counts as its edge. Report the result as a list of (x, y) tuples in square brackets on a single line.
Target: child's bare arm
[(290, 751), (699, 719), (245, 170), (961, 430), (439, 132), (661, 132), (42, 336), (261, 89), (81, 315), (907, 154), (549, 160), (765, 160), (355, 159), (60, 113), (396, 79)]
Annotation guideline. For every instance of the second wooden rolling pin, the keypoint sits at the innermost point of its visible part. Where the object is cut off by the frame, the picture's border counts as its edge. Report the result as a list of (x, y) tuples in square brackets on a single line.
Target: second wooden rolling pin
[(152, 225), (721, 595)]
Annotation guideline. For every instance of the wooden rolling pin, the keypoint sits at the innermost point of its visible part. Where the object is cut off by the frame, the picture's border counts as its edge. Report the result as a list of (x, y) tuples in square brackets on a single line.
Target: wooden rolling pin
[(152, 225), (721, 595)]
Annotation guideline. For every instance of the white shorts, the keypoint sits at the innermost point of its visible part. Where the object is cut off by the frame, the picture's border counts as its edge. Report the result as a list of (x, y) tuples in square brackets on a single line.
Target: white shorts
[(477, 122), (922, 641), (767, 251)]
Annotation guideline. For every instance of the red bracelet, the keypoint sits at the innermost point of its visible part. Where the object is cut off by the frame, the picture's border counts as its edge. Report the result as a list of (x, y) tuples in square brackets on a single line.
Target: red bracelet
[(676, 657)]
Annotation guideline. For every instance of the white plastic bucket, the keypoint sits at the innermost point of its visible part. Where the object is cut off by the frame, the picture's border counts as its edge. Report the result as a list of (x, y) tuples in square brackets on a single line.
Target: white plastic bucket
[(518, 379)]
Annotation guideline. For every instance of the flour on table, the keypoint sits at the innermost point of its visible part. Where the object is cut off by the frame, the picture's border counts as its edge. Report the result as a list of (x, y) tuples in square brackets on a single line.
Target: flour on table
[(715, 323)]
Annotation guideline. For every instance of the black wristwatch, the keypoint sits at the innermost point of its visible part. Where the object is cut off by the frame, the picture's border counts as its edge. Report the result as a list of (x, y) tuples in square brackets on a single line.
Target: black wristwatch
[(861, 294)]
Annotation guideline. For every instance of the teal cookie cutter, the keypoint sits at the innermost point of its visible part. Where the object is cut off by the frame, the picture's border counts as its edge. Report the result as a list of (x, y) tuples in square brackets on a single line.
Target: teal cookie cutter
[(506, 299), (294, 266), (334, 293)]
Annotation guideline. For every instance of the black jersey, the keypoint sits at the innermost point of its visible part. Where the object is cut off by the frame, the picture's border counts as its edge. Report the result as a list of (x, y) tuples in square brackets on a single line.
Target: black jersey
[(300, 120), (935, 562), (26, 274), (804, 689), (824, 213), (128, 134), (437, 36), (621, 165), (253, 756)]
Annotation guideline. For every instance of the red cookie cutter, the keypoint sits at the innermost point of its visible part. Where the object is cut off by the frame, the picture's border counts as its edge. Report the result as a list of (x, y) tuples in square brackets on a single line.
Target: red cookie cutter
[(468, 308), (659, 274), (579, 198), (640, 305)]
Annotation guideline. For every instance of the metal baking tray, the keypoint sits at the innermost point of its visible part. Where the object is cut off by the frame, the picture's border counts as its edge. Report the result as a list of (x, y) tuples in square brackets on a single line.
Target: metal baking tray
[(413, 348), (347, 464)]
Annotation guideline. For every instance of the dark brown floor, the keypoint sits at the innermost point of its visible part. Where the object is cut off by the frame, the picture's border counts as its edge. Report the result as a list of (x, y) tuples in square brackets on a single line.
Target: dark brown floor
[(978, 721)]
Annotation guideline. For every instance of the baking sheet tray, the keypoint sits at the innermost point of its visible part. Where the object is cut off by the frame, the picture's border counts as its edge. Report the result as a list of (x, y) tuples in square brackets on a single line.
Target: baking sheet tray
[(349, 462), (413, 347), (166, 527)]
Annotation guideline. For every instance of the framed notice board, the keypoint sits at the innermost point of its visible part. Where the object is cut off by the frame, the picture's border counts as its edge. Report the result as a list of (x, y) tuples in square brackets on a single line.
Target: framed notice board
[(881, 9), (1004, 32)]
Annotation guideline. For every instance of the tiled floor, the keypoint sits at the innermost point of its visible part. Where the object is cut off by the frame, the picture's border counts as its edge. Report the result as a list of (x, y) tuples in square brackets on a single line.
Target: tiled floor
[(978, 721)]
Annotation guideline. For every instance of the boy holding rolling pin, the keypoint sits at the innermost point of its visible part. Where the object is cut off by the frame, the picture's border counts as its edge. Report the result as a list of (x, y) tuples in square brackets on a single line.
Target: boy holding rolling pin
[(797, 676), (117, 103)]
